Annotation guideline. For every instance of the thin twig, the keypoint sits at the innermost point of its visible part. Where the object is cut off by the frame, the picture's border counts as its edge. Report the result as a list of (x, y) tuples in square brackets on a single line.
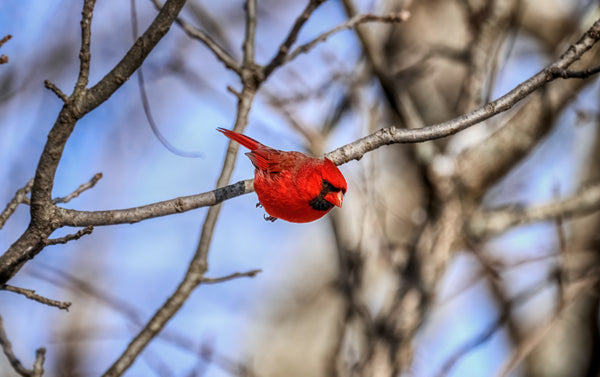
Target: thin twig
[(38, 366), (84, 52), (250, 33), (212, 45), (85, 186), (70, 237), (4, 58), (30, 294), (54, 89), (249, 274), (285, 46), (5, 39), (349, 24), (20, 195)]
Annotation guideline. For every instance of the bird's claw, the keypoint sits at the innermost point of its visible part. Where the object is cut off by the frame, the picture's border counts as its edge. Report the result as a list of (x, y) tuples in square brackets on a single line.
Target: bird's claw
[(258, 205), (270, 218)]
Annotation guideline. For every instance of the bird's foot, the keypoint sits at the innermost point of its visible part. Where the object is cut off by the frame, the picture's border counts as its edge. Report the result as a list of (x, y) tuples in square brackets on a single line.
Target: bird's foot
[(270, 218), (258, 205)]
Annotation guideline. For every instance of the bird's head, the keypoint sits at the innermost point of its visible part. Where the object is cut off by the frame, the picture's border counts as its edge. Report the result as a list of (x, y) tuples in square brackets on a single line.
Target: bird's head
[(334, 184)]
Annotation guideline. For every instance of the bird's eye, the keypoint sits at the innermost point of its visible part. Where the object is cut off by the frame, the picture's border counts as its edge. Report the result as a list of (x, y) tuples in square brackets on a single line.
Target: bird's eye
[(328, 187)]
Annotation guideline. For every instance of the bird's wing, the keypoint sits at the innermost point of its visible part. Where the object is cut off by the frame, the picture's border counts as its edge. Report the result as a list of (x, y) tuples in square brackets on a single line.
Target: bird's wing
[(274, 161)]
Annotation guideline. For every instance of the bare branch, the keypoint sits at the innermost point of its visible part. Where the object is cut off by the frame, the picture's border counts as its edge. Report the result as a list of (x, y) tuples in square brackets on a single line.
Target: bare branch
[(484, 224), (70, 217), (38, 366), (249, 274), (86, 186), (349, 24), (70, 237), (30, 294), (134, 58), (19, 197)]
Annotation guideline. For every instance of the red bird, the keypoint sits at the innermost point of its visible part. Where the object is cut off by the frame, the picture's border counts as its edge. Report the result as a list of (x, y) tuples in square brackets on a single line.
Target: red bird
[(291, 185)]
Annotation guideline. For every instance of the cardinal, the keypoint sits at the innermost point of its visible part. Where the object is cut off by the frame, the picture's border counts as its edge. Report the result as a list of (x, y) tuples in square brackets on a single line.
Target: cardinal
[(291, 185)]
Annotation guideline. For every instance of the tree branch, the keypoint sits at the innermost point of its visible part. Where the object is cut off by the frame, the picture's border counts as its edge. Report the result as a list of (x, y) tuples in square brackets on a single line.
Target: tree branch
[(212, 45), (199, 263), (19, 197), (84, 52), (487, 223), (349, 24), (134, 57), (391, 135), (249, 274), (54, 89), (42, 210), (30, 294), (4, 58), (71, 217), (583, 74), (38, 366), (285, 46), (86, 186), (69, 237)]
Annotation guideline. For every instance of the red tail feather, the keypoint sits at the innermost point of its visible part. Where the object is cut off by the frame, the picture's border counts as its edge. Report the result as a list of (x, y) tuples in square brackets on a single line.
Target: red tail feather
[(244, 140)]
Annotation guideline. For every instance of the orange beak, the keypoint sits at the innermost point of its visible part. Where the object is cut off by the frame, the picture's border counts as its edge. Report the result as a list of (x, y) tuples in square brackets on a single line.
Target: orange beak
[(339, 199)]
